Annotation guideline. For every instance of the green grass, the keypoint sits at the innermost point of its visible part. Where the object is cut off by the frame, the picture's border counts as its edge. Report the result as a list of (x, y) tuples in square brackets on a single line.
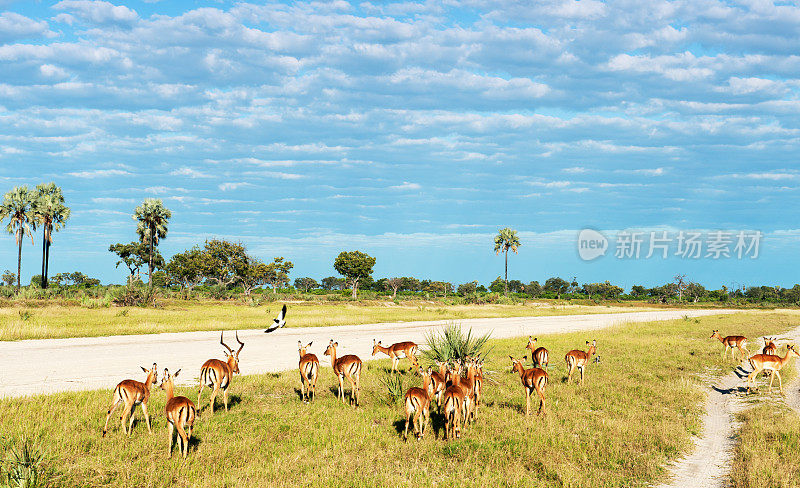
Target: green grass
[(182, 316), (637, 410)]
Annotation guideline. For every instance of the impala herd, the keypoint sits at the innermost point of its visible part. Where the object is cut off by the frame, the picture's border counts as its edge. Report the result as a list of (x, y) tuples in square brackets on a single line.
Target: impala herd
[(456, 386)]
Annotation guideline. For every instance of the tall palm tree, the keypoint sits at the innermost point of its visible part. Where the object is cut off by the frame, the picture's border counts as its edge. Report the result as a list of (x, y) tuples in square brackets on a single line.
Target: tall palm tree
[(504, 240), (153, 218), (52, 215), (18, 206)]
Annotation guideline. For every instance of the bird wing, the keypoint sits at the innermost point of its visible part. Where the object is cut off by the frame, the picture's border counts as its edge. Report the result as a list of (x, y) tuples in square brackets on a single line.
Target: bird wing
[(277, 323)]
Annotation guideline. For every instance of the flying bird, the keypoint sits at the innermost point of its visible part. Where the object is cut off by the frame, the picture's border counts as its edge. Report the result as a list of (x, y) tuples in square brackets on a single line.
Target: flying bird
[(279, 322)]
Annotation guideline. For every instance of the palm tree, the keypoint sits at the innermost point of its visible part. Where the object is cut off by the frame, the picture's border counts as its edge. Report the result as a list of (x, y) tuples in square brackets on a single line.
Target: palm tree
[(52, 215), (504, 240), (19, 206), (153, 218)]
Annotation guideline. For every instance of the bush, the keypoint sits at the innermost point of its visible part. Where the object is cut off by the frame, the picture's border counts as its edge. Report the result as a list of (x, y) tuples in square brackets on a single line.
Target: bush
[(395, 389), (453, 344), (23, 466), (134, 296)]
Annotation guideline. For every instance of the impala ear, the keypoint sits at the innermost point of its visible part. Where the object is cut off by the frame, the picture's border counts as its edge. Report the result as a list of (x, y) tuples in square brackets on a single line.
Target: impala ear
[(511, 357), (335, 344), (299, 344), (525, 357)]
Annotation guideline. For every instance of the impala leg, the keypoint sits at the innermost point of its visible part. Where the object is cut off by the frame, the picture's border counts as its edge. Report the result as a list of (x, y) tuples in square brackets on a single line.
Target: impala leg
[(214, 397), (225, 398), (130, 419), (417, 417), (771, 379), (581, 371), (527, 401), (313, 395), (146, 417), (541, 411), (170, 430), (111, 409), (341, 388), (780, 381), (302, 387), (353, 392), (408, 417), (199, 394)]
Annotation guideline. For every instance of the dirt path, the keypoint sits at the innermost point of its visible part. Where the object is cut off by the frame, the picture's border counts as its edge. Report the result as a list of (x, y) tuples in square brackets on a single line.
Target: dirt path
[(709, 464), (46, 366)]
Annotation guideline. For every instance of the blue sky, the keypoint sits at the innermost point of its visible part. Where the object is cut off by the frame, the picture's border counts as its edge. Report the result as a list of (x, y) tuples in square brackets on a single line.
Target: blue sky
[(411, 131)]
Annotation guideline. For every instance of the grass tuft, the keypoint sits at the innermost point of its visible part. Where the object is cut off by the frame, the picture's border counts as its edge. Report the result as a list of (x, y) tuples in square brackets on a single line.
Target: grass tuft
[(453, 344)]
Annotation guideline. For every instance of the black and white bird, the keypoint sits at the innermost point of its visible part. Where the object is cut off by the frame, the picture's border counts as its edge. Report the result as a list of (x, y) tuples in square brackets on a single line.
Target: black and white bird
[(279, 322)]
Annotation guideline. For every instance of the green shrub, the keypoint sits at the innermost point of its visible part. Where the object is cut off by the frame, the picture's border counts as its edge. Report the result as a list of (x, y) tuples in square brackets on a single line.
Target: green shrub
[(23, 466), (395, 388), (453, 344)]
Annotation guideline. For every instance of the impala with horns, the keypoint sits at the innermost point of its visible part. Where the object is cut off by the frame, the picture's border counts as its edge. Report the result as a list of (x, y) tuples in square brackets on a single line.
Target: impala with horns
[(731, 342), (132, 393), (773, 364), (348, 366), (309, 371), (534, 379), (408, 350), (217, 374), (539, 355), (439, 381), (579, 359), (181, 413)]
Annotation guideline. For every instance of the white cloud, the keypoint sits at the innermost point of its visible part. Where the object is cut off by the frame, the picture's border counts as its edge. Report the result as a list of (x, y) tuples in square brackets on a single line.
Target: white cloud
[(189, 172), (97, 11), (406, 186), (14, 26), (99, 173), (234, 185)]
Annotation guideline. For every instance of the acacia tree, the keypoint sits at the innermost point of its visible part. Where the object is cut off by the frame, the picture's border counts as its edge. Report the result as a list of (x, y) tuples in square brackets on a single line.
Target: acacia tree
[(354, 266), (134, 255), (305, 283), (394, 284), (153, 218), (278, 273), (19, 207), (224, 262), (186, 269), (51, 213), (505, 240), (255, 274)]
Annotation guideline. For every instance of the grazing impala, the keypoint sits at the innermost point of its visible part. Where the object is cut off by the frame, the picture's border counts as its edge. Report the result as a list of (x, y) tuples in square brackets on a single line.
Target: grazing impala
[(217, 374), (407, 349), (349, 367), (532, 379), (417, 402), (539, 355), (455, 404), (579, 359), (181, 413), (309, 371), (773, 364), (769, 347), (730, 342), (132, 393)]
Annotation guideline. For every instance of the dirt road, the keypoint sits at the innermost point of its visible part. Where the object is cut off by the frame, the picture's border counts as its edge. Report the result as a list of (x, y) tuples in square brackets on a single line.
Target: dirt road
[(47, 366)]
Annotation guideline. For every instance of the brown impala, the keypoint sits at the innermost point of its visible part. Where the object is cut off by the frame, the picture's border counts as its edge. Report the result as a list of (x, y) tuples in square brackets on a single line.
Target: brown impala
[(769, 347), (731, 342), (539, 355), (532, 379), (407, 349), (579, 359), (417, 402), (132, 393), (181, 413), (309, 371), (217, 374), (773, 364), (349, 367)]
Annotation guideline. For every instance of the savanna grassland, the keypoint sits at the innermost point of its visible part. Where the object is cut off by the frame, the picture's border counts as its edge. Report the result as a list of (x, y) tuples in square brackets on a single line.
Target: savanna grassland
[(637, 410), (54, 321)]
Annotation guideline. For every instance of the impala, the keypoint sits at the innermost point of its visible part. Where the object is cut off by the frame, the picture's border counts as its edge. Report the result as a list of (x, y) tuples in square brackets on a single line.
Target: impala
[(438, 381), (309, 371), (407, 349), (769, 347), (217, 374), (478, 387), (468, 385), (454, 406), (349, 367), (132, 393), (532, 379), (539, 355), (773, 364), (181, 413), (579, 359), (417, 402), (729, 342)]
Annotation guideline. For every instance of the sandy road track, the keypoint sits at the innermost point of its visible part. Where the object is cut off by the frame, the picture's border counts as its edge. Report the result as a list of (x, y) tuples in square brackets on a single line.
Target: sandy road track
[(53, 365)]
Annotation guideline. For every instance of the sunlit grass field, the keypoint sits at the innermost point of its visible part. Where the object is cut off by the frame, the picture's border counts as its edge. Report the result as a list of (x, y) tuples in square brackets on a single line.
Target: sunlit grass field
[(53, 321), (637, 410)]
